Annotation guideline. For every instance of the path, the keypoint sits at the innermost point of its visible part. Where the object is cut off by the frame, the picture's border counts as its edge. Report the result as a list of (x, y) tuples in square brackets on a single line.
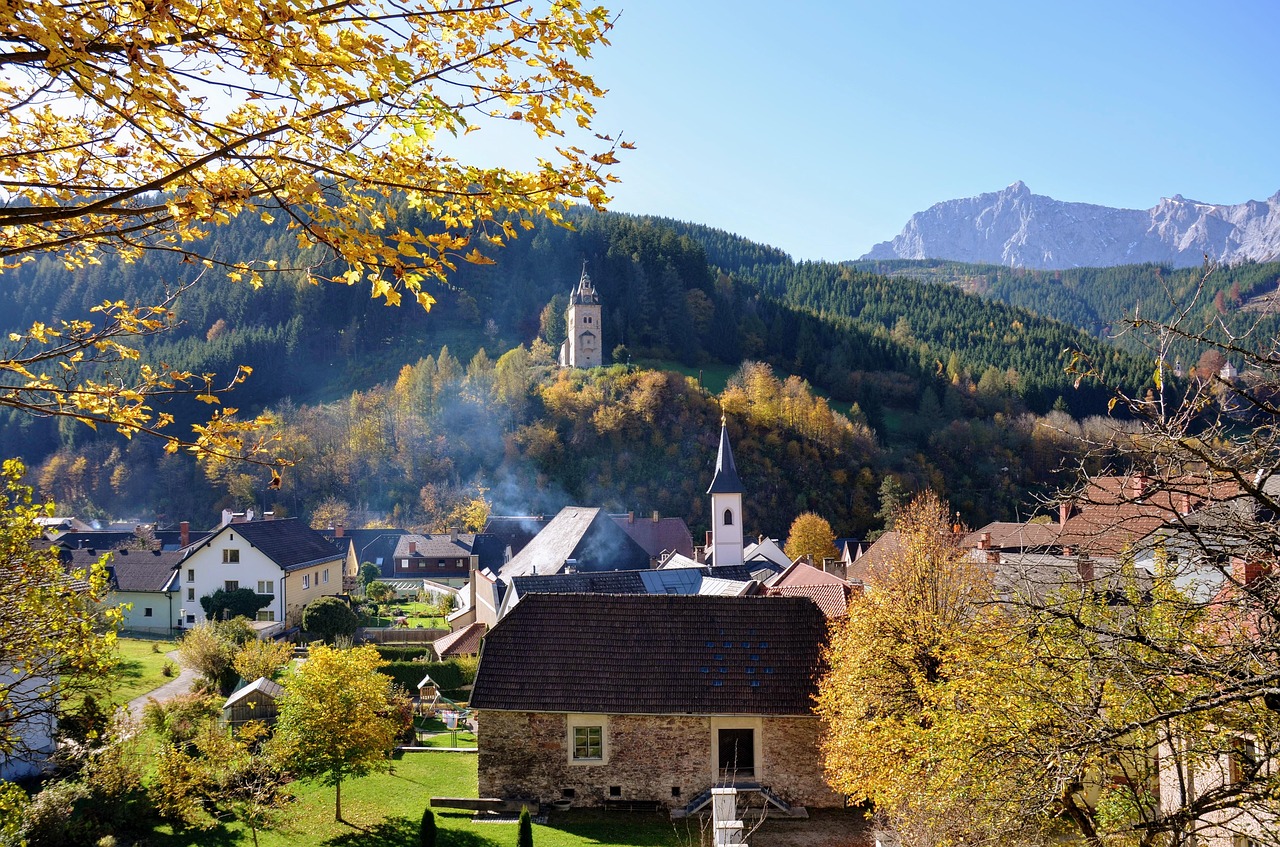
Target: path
[(181, 684)]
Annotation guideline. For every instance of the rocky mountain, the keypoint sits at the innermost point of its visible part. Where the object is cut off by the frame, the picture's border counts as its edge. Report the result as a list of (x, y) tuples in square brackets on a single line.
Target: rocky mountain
[(1016, 228)]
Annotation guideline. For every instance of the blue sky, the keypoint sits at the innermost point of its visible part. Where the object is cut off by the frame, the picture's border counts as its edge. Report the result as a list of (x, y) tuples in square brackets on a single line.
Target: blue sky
[(820, 127)]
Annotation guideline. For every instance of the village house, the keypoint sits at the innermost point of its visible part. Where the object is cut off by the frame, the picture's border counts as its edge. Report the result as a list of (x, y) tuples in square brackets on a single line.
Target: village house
[(285, 560), (144, 582), (577, 539), (446, 558), (652, 699)]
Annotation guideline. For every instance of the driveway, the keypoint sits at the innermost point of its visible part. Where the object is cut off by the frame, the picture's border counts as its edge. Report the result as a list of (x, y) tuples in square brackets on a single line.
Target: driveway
[(181, 684)]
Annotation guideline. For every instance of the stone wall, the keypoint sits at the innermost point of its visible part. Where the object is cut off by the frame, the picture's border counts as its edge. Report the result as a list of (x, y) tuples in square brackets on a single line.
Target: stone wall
[(667, 758)]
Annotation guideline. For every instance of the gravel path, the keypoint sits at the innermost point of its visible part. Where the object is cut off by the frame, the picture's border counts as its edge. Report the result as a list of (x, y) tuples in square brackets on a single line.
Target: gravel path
[(181, 684)]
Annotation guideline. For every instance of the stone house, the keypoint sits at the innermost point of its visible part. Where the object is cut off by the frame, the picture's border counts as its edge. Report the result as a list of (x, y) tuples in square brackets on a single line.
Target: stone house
[(652, 699)]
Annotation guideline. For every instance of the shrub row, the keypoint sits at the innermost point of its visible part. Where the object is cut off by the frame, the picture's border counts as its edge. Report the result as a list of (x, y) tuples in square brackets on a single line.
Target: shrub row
[(450, 676)]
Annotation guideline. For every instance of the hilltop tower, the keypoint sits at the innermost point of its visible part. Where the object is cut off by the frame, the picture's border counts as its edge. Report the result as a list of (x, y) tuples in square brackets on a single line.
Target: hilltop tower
[(726, 505), (584, 343)]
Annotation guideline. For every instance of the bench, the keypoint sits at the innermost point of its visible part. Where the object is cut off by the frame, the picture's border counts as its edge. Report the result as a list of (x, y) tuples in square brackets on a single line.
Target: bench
[(618, 804), (485, 804)]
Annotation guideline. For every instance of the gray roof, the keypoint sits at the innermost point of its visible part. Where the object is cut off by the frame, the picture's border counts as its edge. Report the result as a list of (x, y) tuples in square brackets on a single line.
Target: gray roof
[(654, 654), (288, 542), (585, 536), (129, 569), (726, 480), (268, 688)]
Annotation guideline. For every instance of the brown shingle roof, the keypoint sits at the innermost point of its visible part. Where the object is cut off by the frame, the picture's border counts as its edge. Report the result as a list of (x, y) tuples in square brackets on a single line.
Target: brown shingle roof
[(464, 642), (656, 536), (653, 654), (831, 598), (1007, 535)]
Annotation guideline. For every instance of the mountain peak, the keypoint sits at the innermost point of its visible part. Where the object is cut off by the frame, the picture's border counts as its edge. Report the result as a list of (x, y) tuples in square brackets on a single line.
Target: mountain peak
[(1002, 229)]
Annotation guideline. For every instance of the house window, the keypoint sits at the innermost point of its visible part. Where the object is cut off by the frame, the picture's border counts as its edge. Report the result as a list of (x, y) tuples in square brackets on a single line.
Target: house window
[(266, 586), (325, 578), (267, 615), (737, 756), (306, 581), (191, 594), (1244, 760), (588, 743), (728, 517), (440, 563), (191, 618), (230, 557), (191, 574), (404, 564), (146, 612), (232, 585)]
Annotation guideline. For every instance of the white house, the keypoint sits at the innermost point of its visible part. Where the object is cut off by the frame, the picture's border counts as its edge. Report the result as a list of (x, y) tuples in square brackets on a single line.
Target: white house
[(284, 559)]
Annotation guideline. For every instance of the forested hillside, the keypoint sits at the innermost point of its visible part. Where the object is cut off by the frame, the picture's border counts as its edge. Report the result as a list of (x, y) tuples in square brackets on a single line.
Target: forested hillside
[(387, 425)]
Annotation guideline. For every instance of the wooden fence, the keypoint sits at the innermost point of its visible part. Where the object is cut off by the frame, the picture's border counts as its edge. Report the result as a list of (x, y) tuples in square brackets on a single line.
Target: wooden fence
[(398, 635)]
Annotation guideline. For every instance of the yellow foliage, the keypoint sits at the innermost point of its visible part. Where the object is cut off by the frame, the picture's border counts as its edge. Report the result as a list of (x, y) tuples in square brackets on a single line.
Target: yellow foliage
[(114, 139)]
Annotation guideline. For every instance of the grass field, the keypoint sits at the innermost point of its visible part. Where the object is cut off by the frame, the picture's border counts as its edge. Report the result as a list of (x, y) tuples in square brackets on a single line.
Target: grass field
[(383, 810), (141, 668), (418, 614)]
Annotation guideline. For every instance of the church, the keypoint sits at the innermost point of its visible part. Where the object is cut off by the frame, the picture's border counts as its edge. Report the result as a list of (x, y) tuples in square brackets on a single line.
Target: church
[(583, 343)]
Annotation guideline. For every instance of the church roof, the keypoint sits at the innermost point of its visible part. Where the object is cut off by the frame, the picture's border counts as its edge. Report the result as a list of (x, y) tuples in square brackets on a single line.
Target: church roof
[(584, 292), (726, 480)]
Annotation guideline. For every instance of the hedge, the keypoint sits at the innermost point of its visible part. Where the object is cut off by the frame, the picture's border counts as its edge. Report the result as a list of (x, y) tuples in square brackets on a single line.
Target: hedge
[(450, 676), (403, 654)]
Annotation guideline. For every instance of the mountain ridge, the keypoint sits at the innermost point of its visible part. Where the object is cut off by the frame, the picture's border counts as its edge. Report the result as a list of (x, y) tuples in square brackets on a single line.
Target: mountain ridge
[(1016, 228)]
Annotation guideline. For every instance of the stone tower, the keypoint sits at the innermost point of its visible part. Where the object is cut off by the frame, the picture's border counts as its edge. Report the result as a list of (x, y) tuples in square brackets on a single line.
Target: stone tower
[(584, 344), (726, 506)]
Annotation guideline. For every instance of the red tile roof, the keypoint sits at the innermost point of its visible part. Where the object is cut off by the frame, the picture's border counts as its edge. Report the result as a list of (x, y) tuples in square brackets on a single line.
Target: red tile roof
[(463, 642)]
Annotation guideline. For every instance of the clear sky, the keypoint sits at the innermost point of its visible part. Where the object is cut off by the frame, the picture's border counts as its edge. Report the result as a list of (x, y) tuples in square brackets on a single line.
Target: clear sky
[(820, 127)]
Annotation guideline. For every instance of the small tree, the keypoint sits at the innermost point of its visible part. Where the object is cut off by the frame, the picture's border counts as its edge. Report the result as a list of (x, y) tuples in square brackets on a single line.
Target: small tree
[(524, 836), (262, 658), (223, 605), (379, 592), (368, 573), (427, 830), (338, 718), (210, 647), (811, 535), (329, 618)]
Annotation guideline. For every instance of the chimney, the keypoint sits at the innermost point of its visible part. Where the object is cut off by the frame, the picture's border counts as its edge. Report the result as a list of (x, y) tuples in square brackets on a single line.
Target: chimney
[(413, 548), (1084, 568), (1184, 503), (655, 516), (269, 516), (708, 539), (184, 530), (248, 515), (337, 531), (1138, 485), (1065, 508), (1247, 571), (984, 541), (453, 533), (631, 517)]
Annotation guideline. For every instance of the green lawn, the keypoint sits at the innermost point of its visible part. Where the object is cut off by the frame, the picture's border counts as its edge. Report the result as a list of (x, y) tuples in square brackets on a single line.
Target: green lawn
[(384, 810), (140, 669), (419, 614)]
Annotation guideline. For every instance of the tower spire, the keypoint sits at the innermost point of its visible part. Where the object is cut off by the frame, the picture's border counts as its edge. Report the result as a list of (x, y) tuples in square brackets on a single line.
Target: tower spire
[(726, 480)]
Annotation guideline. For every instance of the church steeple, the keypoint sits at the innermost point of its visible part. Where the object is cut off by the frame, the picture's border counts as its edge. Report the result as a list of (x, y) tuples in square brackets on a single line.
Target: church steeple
[(726, 505), (726, 480), (584, 343)]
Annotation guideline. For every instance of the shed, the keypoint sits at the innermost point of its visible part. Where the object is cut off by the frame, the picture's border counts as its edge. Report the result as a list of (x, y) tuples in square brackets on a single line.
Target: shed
[(254, 702)]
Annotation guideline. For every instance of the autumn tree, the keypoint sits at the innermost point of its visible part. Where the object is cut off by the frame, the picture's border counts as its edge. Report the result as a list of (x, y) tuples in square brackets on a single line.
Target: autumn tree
[(339, 718), (57, 636), (312, 116), (262, 658), (910, 681), (210, 648), (810, 535)]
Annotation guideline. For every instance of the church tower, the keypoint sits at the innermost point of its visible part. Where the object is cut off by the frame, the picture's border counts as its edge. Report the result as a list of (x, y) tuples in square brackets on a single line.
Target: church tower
[(726, 506), (584, 343)]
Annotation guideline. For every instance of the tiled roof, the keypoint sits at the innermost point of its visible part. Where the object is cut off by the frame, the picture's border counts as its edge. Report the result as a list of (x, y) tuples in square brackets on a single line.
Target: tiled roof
[(653, 654), (515, 531), (596, 582), (439, 546), (1113, 512), (874, 557), (584, 535), (656, 536), (464, 642), (1007, 535), (831, 598), (142, 570), (803, 573), (269, 688), (288, 542)]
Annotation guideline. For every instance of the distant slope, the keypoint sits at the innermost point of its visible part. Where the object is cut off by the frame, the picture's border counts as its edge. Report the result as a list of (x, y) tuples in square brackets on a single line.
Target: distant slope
[(1015, 228)]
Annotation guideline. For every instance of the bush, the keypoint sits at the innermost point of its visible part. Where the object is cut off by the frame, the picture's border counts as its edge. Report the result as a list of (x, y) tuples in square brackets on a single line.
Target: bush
[(329, 618), (178, 720), (427, 831), (404, 654), (524, 835), (449, 676), (170, 669), (55, 817)]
